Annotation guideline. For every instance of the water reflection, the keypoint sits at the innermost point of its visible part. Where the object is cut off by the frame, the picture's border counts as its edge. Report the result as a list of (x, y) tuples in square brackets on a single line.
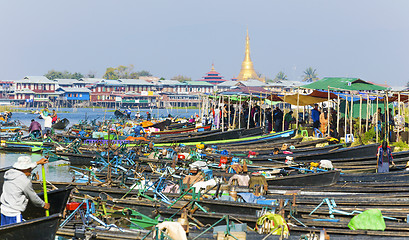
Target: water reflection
[(55, 171)]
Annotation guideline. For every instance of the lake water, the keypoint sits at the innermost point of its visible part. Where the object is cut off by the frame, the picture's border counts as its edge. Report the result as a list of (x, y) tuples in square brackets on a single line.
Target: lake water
[(77, 114), (60, 172)]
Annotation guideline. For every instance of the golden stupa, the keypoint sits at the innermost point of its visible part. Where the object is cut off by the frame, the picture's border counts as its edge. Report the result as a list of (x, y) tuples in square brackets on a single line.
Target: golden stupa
[(247, 71)]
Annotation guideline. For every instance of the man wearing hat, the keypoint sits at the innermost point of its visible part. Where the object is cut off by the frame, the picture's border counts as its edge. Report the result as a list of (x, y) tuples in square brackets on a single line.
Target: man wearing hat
[(17, 190)]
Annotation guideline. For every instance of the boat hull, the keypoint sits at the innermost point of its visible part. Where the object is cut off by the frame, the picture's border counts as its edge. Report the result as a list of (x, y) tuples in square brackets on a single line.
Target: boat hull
[(43, 228), (304, 180)]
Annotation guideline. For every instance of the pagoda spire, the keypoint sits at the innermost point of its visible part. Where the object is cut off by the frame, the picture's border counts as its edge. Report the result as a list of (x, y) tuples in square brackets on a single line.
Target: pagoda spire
[(247, 70)]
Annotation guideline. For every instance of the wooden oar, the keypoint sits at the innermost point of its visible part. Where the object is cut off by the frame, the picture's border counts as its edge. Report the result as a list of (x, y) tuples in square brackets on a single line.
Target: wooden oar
[(377, 162), (47, 212)]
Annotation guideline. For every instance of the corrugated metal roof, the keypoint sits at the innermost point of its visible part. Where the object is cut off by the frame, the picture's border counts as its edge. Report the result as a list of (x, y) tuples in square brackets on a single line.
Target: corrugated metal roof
[(169, 82), (353, 84), (91, 80), (109, 82), (228, 83), (65, 81), (285, 84), (253, 83), (135, 82), (198, 83), (72, 89), (36, 79)]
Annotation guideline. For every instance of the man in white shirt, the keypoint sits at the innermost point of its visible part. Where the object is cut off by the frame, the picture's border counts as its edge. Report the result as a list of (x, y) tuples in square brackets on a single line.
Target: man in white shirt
[(47, 123), (399, 123)]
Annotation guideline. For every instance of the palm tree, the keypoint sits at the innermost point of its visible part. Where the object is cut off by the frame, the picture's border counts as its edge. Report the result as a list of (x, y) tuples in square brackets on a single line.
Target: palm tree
[(310, 75), (280, 77)]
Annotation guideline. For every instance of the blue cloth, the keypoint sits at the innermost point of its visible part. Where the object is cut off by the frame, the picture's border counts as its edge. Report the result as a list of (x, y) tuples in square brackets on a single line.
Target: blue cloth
[(224, 152), (5, 220), (128, 111), (315, 115), (137, 130), (250, 197)]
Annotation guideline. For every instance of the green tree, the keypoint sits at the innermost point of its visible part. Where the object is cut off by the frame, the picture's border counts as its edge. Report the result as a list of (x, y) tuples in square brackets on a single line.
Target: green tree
[(124, 72), (181, 78), (144, 73), (52, 74), (76, 75), (91, 74), (280, 77), (310, 75), (111, 73)]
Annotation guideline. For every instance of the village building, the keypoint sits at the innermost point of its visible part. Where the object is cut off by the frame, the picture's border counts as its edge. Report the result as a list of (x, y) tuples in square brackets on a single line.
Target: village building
[(213, 77)]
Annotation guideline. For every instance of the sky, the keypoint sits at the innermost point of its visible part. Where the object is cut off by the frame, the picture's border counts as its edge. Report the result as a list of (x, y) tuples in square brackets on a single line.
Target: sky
[(367, 39)]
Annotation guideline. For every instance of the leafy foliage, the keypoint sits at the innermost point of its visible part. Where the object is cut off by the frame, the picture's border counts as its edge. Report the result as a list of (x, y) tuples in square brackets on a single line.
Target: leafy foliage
[(181, 78), (280, 77), (52, 74), (310, 75), (124, 72), (400, 146)]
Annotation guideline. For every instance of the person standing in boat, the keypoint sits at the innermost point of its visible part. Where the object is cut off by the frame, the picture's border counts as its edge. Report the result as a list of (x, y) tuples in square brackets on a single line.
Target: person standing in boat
[(18, 190), (47, 123), (384, 157), (324, 122), (315, 116), (288, 118), (148, 116), (128, 112), (54, 117), (278, 119)]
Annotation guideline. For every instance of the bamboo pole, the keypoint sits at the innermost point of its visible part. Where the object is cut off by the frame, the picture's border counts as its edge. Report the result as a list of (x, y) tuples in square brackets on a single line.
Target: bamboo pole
[(222, 112), (360, 113), (228, 113), (249, 117), (329, 113), (367, 113), (345, 117), (235, 107), (351, 118), (264, 114), (398, 128), (240, 112), (387, 128), (377, 118), (338, 113), (282, 121), (298, 103)]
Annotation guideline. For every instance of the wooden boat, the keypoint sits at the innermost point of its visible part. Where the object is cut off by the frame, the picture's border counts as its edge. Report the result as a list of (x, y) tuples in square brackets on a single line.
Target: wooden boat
[(173, 126), (374, 177), (162, 125), (62, 124), (309, 179), (233, 134), (183, 130), (78, 159), (10, 129), (248, 140), (38, 228), (356, 152), (119, 114)]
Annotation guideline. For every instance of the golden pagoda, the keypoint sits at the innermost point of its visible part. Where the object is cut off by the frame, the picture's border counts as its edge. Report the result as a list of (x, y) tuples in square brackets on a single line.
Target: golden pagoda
[(247, 71)]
